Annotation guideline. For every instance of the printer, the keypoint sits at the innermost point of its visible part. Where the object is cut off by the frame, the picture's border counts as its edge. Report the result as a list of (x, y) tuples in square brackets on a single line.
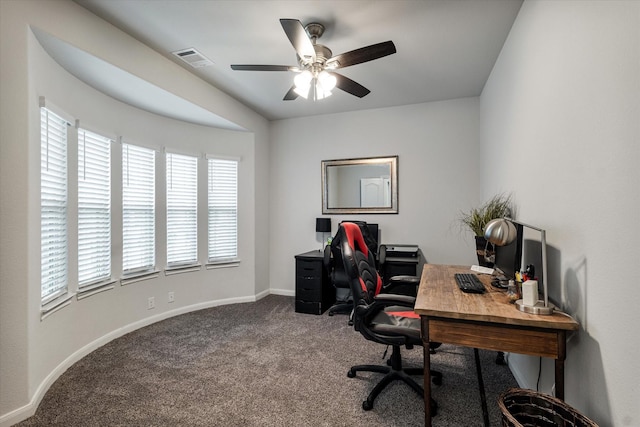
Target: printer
[(402, 251), (400, 260)]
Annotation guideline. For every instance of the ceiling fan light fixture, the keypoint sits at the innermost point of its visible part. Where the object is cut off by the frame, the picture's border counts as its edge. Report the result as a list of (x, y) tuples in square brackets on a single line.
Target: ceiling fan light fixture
[(327, 80), (319, 92), (302, 83), (302, 91), (323, 84), (303, 79)]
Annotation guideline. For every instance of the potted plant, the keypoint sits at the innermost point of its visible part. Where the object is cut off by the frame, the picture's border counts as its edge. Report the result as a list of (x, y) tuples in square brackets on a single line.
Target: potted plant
[(499, 206)]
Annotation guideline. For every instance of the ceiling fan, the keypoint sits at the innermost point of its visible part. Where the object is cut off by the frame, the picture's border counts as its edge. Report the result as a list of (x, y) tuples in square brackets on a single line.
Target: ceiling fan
[(316, 76)]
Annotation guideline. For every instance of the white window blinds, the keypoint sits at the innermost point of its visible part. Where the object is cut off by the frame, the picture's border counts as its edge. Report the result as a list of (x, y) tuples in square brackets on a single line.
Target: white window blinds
[(94, 208), (53, 205), (223, 209), (138, 209), (182, 210)]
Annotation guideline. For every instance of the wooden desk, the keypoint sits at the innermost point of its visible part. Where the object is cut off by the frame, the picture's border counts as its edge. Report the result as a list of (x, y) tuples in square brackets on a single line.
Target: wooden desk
[(486, 321)]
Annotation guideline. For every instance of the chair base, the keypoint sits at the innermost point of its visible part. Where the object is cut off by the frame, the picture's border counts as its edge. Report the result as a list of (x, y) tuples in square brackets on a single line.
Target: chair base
[(341, 308), (392, 373)]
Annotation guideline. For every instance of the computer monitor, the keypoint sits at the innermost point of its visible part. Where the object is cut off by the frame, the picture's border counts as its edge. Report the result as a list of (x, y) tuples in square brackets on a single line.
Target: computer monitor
[(509, 257), (373, 229)]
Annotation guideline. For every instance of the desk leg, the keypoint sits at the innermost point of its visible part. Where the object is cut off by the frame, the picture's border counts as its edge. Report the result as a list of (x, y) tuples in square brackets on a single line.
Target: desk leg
[(427, 371), (562, 354), (560, 379), (483, 396)]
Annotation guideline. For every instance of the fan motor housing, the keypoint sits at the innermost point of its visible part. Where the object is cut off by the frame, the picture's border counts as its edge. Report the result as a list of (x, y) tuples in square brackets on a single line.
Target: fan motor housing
[(314, 30), (323, 53)]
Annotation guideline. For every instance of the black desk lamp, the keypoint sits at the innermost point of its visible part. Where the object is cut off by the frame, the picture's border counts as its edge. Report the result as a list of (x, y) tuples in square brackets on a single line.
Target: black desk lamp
[(323, 225), (501, 232)]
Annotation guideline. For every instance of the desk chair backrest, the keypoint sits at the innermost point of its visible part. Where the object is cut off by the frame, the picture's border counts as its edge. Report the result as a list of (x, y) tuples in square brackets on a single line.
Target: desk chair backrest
[(359, 264), (333, 253)]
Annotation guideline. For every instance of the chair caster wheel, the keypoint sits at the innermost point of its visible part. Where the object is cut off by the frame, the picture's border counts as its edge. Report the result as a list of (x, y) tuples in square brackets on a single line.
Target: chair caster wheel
[(436, 380), (367, 406), (351, 373), (330, 314)]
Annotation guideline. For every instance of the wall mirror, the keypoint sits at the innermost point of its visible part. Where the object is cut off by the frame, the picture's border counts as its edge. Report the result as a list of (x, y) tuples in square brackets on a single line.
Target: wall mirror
[(366, 185)]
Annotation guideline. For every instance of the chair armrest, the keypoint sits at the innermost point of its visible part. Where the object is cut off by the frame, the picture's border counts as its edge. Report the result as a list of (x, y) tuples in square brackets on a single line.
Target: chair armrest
[(326, 258), (405, 285), (365, 312), (382, 254), (381, 301), (395, 299), (404, 279)]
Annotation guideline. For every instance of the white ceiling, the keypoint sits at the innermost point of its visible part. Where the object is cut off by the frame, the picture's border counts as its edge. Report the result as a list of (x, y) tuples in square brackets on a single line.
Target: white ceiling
[(445, 48)]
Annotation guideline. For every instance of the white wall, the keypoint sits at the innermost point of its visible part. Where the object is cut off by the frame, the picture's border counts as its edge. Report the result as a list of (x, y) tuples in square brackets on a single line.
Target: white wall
[(34, 352), (437, 145), (560, 114)]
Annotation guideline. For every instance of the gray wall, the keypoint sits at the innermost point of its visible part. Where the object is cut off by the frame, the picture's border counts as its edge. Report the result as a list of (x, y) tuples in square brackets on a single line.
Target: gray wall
[(559, 118), (438, 175)]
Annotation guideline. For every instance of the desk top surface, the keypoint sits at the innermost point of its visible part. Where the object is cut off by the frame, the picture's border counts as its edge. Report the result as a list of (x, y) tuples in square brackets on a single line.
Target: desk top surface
[(316, 254), (439, 296)]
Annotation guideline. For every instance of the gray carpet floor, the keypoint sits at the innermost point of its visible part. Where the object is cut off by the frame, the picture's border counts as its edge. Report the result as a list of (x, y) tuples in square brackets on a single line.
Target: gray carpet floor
[(258, 364)]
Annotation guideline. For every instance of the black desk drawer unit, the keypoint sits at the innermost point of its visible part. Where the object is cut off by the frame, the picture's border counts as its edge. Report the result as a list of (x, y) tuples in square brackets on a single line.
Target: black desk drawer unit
[(314, 293)]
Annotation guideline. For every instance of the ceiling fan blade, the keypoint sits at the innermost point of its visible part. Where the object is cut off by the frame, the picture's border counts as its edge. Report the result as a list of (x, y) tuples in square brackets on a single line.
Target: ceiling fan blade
[(364, 54), (299, 38), (264, 68), (349, 86), (291, 95)]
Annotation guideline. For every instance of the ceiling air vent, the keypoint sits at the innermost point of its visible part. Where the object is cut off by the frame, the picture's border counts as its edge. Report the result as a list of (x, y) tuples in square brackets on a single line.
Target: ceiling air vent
[(193, 58)]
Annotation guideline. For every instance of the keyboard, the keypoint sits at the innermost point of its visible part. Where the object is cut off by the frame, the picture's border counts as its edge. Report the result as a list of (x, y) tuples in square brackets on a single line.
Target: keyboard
[(468, 282)]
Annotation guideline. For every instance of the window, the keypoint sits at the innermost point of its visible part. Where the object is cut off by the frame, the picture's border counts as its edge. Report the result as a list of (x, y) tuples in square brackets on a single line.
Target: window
[(223, 210), (138, 209), (53, 205), (94, 208), (182, 210)]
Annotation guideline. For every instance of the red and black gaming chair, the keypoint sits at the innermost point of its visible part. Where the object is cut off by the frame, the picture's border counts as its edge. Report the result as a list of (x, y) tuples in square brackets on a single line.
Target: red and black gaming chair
[(383, 318), (335, 267)]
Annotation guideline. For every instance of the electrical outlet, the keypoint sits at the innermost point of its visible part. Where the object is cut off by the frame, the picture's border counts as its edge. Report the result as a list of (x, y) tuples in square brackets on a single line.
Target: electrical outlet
[(151, 303), (171, 297)]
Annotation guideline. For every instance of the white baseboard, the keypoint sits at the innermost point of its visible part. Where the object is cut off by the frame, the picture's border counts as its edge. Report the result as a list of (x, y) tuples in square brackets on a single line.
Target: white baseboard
[(518, 376), (284, 292)]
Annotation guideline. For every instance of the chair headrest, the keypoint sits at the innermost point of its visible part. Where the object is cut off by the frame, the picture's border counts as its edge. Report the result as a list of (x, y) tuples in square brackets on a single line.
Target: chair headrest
[(354, 237)]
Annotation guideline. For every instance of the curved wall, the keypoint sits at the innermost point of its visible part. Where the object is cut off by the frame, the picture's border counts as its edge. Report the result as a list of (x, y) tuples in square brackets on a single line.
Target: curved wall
[(35, 352), (64, 337)]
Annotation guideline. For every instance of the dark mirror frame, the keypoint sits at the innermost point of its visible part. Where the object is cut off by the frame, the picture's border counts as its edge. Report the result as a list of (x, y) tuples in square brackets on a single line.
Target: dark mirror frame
[(392, 161)]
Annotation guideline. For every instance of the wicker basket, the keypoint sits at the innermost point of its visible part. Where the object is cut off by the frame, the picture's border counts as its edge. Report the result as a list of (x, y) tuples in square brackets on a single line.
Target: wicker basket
[(527, 408)]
